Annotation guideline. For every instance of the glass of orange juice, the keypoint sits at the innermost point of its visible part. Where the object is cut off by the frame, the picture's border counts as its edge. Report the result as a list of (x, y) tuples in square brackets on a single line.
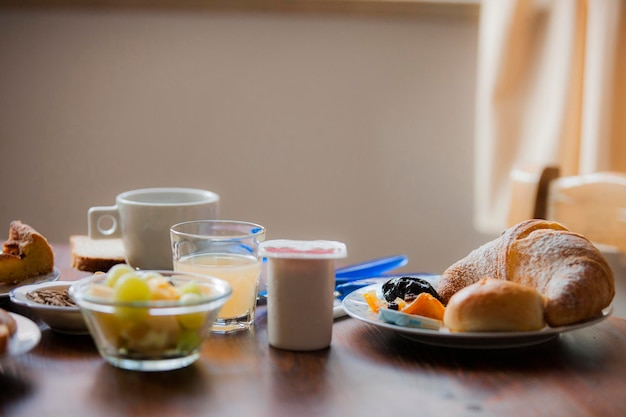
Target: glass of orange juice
[(228, 250)]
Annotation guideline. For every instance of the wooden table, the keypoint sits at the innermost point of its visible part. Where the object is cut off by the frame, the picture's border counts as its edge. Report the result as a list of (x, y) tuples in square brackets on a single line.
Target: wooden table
[(367, 371)]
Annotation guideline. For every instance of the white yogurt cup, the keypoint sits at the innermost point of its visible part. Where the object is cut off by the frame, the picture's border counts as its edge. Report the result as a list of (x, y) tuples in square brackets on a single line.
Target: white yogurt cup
[(300, 292)]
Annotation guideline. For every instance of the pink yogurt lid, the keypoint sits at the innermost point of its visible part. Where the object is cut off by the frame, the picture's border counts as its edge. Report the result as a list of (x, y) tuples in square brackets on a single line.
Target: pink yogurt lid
[(302, 249)]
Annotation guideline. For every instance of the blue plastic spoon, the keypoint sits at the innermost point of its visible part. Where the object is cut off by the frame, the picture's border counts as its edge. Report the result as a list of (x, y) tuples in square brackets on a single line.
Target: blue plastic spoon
[(368, 269)]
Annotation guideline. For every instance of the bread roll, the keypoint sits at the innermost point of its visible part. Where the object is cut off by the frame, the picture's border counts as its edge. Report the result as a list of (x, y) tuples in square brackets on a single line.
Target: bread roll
[(567, 270), (8, 320), (4, 338), (8, 327), (492, 305)]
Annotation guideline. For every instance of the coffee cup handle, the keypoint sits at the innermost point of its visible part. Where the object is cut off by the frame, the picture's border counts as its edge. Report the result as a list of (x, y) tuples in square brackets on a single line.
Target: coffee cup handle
[(97, 216)]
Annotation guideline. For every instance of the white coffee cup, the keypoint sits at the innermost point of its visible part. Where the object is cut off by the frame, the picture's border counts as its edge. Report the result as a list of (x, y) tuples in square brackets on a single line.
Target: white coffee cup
[(142, 218)]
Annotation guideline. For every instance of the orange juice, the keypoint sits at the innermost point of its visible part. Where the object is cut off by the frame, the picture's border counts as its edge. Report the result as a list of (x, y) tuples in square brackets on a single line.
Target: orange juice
[(240, 271)]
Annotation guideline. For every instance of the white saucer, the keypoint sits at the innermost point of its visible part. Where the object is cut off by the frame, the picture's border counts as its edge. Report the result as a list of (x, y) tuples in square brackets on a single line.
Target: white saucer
[(52, 276), (26, 337)]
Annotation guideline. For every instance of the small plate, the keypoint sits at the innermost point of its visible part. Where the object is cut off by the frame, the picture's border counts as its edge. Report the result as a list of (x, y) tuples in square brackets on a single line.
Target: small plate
[(355, 306), (5, 289), (25, 338), (62, 319)]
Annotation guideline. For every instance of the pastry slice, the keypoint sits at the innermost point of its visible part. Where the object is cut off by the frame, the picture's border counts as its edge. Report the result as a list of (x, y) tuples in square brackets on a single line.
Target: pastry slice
[(26, 254)]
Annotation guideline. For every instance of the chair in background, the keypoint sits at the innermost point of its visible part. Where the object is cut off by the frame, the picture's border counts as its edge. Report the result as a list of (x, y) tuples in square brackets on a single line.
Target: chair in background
[(593, 205)]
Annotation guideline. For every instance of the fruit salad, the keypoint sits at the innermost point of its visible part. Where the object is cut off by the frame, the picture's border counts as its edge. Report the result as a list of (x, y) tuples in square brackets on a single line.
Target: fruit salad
[(144, 314)]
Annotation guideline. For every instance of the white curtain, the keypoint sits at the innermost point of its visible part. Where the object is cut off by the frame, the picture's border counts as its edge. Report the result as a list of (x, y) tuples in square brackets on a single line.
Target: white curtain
[(551, 91)]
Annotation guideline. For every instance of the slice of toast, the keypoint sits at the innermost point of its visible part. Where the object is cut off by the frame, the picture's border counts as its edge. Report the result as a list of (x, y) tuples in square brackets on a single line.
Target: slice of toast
[(96, 255)]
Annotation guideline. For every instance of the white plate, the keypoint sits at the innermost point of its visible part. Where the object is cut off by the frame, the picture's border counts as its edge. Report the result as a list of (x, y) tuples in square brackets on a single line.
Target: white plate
[(62, 319), (25, 338), (52, 276), (355, 306)]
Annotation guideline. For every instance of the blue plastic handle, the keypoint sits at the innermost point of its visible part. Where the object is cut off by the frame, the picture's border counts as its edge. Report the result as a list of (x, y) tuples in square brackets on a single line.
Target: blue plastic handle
[(369, 269)]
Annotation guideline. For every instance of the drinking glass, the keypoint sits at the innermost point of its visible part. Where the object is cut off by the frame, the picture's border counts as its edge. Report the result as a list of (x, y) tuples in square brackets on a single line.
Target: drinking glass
[(228, 250)]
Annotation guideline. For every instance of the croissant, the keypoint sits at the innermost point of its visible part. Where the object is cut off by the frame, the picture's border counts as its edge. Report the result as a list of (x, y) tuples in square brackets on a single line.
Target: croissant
[(570, 273)]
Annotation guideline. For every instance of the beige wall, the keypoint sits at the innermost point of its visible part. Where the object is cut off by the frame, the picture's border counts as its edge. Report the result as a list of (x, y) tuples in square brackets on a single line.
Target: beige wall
[(337, 126)]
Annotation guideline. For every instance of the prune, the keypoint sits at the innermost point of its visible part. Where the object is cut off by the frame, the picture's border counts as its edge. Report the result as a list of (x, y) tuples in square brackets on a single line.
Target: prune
[(407, 288)]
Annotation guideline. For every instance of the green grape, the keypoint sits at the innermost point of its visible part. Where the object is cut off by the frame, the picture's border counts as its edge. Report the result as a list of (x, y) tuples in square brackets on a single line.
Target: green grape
[(189, 298), (191, 320), (116, 273), (189, 340), (131, 314), (128, 288), (131, 287), (191, 287)]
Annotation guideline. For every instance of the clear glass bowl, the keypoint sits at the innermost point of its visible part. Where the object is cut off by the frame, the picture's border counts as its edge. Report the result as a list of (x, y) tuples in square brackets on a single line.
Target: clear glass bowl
[(150, 335)]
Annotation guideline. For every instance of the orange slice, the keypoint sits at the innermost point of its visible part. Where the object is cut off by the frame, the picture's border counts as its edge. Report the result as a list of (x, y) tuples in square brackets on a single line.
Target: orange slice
[(425, 305), (373, 301)]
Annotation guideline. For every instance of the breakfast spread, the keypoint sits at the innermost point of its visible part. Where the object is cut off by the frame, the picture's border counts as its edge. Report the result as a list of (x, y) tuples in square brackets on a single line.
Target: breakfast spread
[(8, 327), (26, 254), (536, 273)]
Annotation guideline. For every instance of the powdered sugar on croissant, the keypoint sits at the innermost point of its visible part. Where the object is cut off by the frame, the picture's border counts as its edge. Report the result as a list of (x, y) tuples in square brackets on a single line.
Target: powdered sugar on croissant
[(566, 268)]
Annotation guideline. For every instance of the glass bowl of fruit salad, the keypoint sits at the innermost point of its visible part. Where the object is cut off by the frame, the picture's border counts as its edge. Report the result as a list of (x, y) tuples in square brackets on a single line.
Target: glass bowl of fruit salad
[(149, 320)]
